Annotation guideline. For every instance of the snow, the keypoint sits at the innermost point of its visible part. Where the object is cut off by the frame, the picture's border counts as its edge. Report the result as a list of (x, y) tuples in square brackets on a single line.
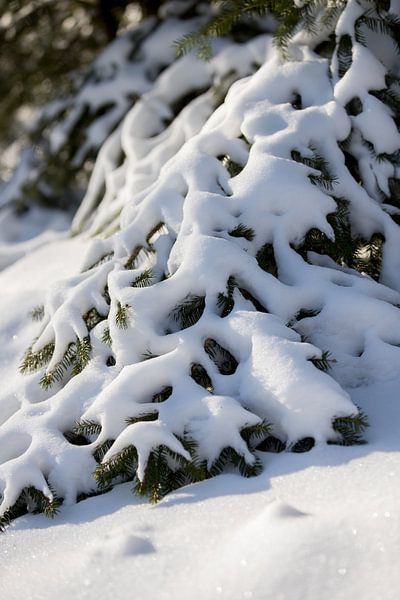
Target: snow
[(324, 525), (172, 205), (321, 525)]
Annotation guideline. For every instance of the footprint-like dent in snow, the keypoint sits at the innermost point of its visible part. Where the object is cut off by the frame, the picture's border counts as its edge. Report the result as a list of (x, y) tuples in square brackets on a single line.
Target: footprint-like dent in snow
[(134, 544), (282, 510), (120, 544)]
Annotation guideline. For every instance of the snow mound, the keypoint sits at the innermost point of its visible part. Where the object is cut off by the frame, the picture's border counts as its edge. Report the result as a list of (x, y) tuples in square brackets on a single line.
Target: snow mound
[(211, 292)]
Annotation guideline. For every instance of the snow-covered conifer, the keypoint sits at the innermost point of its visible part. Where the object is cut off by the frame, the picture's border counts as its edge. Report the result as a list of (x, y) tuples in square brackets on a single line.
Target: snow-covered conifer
[(242, 267)]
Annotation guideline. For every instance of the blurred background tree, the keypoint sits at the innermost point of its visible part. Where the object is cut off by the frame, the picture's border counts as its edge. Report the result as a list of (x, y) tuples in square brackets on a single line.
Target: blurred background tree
[(46, 47)]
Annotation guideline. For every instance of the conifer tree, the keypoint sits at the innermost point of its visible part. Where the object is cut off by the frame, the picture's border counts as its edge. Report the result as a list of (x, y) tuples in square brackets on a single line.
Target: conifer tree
[(52, 44), (243, 242)]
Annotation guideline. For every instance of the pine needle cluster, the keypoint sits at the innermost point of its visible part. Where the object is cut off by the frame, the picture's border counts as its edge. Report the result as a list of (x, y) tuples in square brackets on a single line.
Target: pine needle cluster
[(75, 359), (33, 501)]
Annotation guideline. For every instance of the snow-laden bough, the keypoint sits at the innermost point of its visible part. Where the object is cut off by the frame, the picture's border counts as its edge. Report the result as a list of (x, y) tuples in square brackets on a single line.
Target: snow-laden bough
[(239, 251)]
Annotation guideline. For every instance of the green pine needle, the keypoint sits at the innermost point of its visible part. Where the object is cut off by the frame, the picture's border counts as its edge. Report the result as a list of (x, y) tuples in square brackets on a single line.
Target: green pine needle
[(231, 166), (92, 318), (324, 362), (242, 231), (31, 500), (351, 428), (304, 445), (122, 315), (325, 179), (43, 504), (37, 313), (122, 464), (101, 450), (33, 361), (144, 279), (105, 258), (162, 395), (265, 258), (188, 311), (201, 377), (106, 337), (225, 362), (86, 428), (344, 54), (255, 434), (141, 418), (225, 301)]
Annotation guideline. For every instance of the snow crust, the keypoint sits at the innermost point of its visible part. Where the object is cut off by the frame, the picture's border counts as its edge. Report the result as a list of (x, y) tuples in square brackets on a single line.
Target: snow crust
[(323, 525), (172, 206)]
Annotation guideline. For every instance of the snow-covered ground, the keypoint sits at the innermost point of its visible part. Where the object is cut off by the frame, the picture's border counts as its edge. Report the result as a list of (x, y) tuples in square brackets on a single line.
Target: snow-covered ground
[(323, 525), (211, 199)]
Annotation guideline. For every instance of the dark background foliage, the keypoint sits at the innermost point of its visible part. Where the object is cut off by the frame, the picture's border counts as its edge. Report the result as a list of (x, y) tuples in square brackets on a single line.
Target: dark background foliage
[(42, 42)]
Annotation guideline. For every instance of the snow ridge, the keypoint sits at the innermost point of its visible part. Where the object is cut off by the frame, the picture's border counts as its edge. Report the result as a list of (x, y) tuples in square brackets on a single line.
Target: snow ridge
[(203, 291)]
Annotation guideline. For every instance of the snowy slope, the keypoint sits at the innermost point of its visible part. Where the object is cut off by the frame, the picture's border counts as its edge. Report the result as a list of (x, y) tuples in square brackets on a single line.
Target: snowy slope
[(214, 207), (324, 525)]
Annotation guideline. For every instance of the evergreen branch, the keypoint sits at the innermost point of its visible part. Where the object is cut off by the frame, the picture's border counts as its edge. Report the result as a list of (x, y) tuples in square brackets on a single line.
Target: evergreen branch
[(265, 258), (383, 24), (37, 313), (201, 377), (144, 279), (225, 362), (17, 510), (344, 54), (163, 395), (92, 318), (231, 166), (101, 450), (83, 348), (304, 445), (31, 500), (225, 301), (156, 474), (122, 315), (76, 439), (316, 162), (389, 97), (253, 435), (191, 41), (154, 230), (141, 418), (86, 428), (246, 469), (303, 313), (368, 256), (105, 258), (106, 337), (42, 503), (243, 231), (122, 464), (272, 444), (229, 455), (33, 361), (75, 357), (351, 428), (188, 311), (131, 263), (220, 25), (148, 355), (324, 362)]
